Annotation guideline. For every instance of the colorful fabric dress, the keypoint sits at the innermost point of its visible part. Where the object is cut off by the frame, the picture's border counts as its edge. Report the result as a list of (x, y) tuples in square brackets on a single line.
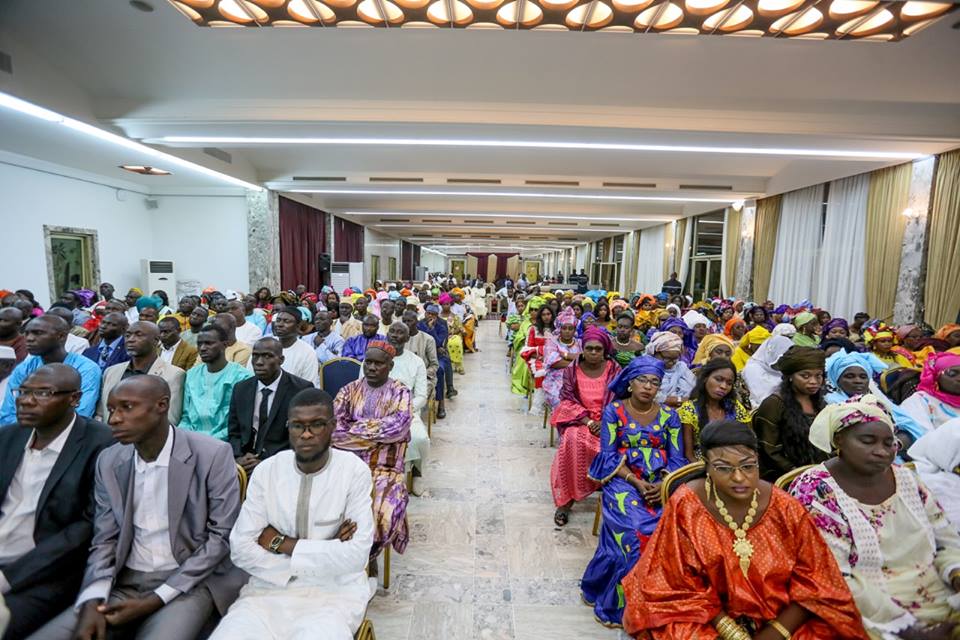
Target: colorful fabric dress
[(374, 423), (580, 397), (521, 381), (689, 574), (650, 451), (533, 352), (455, 341), (688, 415), (553, 380), (893, 554)]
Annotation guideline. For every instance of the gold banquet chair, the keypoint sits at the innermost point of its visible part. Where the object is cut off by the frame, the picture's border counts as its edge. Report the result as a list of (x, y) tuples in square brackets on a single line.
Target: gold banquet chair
[(683, 475), (244, 481), (783, 482), (365, 632)]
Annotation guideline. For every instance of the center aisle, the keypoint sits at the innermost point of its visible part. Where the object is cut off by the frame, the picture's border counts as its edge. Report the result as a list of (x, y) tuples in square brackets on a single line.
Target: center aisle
[(485, 561)]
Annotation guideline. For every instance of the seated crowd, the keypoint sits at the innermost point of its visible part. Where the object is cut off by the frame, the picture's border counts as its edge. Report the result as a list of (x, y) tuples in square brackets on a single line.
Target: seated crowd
[(812, 465), (131, 430)]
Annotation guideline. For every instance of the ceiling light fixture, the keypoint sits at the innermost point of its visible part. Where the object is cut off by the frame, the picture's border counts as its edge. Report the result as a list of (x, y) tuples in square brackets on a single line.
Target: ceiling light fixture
[(509, 194), (394, 225), (540, 144), (144, 170), (28, 108), (494, 214)]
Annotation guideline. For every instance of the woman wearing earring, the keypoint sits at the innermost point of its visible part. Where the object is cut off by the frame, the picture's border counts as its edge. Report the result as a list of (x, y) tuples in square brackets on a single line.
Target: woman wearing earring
[(640, 442), (714, 399), (896, 548), (737, 559)]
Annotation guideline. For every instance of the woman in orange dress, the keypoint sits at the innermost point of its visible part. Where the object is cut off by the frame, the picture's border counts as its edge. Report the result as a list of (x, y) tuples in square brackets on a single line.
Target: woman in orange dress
[(736, 558)]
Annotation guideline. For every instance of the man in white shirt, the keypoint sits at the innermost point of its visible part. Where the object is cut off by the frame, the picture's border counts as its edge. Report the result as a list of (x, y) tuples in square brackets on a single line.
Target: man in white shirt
[(75, 344), (247, 332), (347, 326), (47, 463), (299, 358), (304, 536), (166, 500)]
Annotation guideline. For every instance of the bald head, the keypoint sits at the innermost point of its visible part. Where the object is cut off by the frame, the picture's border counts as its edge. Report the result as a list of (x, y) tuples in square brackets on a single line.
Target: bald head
[(47, 398), (113, 326), (10, 320), (269, 344), (61, 312), (152, 388), (61, 377), (141, 339)]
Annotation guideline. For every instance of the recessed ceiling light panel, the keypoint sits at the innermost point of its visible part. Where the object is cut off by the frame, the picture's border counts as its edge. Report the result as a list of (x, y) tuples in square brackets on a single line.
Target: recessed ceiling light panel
[(144, 170)]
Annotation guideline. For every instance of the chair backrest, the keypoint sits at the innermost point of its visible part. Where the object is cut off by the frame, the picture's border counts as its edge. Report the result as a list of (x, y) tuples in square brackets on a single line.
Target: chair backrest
[(337, 373), (242, 479), (783, 482), (365, 632), (681, 476)]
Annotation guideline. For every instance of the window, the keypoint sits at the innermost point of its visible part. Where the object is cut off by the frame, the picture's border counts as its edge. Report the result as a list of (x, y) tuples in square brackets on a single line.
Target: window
[(706, 256), (72, 259)]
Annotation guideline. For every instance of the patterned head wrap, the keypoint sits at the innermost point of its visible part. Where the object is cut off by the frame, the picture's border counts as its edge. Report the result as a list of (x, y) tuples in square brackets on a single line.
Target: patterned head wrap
[(800, 359), (663, 341), (645, 298), (833, 324), (878, 332), (843, 360), (904, 330), (836, 417), (935, 365), (596, 334), (708, 344), (567, 316), (386, 347), (641, 365), (617, 306), (513, 318), (86, 296)]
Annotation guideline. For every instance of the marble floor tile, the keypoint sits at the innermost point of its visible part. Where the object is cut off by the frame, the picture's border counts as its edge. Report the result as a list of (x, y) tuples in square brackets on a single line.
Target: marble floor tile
[(391, 620), (530, 553), (559, 623), (434, 559), (493, 622), (442, 620)]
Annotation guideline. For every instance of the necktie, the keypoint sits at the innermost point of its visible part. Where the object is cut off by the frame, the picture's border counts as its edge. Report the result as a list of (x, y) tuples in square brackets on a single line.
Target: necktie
[(264, 412)]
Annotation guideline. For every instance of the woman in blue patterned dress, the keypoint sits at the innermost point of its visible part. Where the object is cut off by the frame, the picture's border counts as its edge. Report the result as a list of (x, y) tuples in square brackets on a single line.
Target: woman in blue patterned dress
[(640, 442)]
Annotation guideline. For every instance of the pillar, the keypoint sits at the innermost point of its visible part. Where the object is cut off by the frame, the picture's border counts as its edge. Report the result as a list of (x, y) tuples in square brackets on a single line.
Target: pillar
[(263, 239), (743, 280), (908, 307)]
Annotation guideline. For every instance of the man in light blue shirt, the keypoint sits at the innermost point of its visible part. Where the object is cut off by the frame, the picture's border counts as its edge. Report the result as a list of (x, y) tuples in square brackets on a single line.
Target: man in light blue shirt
[(324, 341), (45, 338)]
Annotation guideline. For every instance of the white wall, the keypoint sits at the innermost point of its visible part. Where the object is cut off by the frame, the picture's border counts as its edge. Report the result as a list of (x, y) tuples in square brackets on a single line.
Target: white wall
[(205, 236), (434, 262), (379, 244)]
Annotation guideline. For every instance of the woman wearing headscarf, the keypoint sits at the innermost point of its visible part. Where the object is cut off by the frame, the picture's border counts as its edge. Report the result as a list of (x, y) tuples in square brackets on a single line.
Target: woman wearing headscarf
[(910, 344), (455, 328), (881, 340), (937, 398), (759, 376), (836, 328), (748, 346), (950, 334), (533, 350), (851, 374), (678, 380), (587, 319), (783, 420), (696, 581), (646, 315), (640, 442), (735, 328), (936, 457), (583, 395), (808, 330), (561, 351), (713, 345), (895, 546)]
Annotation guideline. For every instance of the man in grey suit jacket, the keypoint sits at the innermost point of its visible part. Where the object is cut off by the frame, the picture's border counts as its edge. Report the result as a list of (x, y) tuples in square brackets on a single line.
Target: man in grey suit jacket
[(166, 502)]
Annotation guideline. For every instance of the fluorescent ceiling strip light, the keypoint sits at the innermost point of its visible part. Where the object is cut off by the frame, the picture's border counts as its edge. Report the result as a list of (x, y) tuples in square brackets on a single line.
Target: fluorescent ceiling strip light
[(30, 109), (510, 194), (493, 214), (541, 144), (478, 227)]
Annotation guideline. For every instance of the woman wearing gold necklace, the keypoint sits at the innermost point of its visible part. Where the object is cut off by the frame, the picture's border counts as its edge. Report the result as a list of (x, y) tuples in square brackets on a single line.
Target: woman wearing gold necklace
[(738, 559)]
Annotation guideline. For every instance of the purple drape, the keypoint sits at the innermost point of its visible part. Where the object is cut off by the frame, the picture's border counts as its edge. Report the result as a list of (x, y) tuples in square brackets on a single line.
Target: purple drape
[(303, 237), (482, 262), (348, 241)]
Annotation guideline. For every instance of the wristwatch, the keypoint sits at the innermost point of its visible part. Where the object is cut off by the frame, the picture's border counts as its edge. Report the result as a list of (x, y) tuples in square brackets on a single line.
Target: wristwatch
[(276, 542)]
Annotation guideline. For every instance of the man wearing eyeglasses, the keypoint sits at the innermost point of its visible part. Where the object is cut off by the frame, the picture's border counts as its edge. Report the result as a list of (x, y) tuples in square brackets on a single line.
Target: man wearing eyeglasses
[(304, 536), (47, 465)]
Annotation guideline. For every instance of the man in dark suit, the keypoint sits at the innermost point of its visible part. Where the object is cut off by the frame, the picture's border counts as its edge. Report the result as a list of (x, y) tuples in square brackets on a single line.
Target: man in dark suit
[(257, 427), (166, 500), (47, 463), (110, 350)]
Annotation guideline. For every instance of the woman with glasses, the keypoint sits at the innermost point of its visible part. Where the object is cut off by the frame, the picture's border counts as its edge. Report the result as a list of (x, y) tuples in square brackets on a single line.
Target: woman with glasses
[(640, 442), (736, 558), (896, 548)]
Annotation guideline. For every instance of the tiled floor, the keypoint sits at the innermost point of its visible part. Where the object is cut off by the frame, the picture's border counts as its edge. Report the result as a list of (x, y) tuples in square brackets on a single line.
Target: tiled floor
[(485, 561)]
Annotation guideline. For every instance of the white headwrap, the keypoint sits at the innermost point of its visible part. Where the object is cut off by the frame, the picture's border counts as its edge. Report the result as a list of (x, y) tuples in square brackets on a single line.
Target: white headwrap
[(693, 318), (836, 417), (759, 375), (784, 329)]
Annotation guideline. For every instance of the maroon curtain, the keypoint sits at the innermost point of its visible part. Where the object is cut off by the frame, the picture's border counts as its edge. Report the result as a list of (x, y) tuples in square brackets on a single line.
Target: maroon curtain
[(348, 241), (416, 259), (482, 263), (303, 237), (406, 260)]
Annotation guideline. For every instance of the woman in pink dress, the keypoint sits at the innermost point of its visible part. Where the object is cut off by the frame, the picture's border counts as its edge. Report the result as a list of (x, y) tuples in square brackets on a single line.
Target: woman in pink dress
[(577, 419), (561, 352)]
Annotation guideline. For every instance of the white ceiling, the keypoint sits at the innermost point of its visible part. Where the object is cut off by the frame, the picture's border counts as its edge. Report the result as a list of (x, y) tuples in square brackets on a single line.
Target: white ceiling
[(154, 75)]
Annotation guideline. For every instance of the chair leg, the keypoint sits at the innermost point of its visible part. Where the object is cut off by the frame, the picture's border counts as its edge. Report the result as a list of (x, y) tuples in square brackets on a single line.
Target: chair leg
[(409, 481), (386, 567), (596, 517), (529, 401)]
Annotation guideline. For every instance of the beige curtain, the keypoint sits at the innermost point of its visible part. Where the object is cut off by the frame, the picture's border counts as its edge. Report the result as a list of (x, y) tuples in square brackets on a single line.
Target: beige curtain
[(764, 245), (731, 249), (472, 266), (630, 259), (666, 254), (889, 190), (513, 267), (942, 292), (492, 268), (678, 256)]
